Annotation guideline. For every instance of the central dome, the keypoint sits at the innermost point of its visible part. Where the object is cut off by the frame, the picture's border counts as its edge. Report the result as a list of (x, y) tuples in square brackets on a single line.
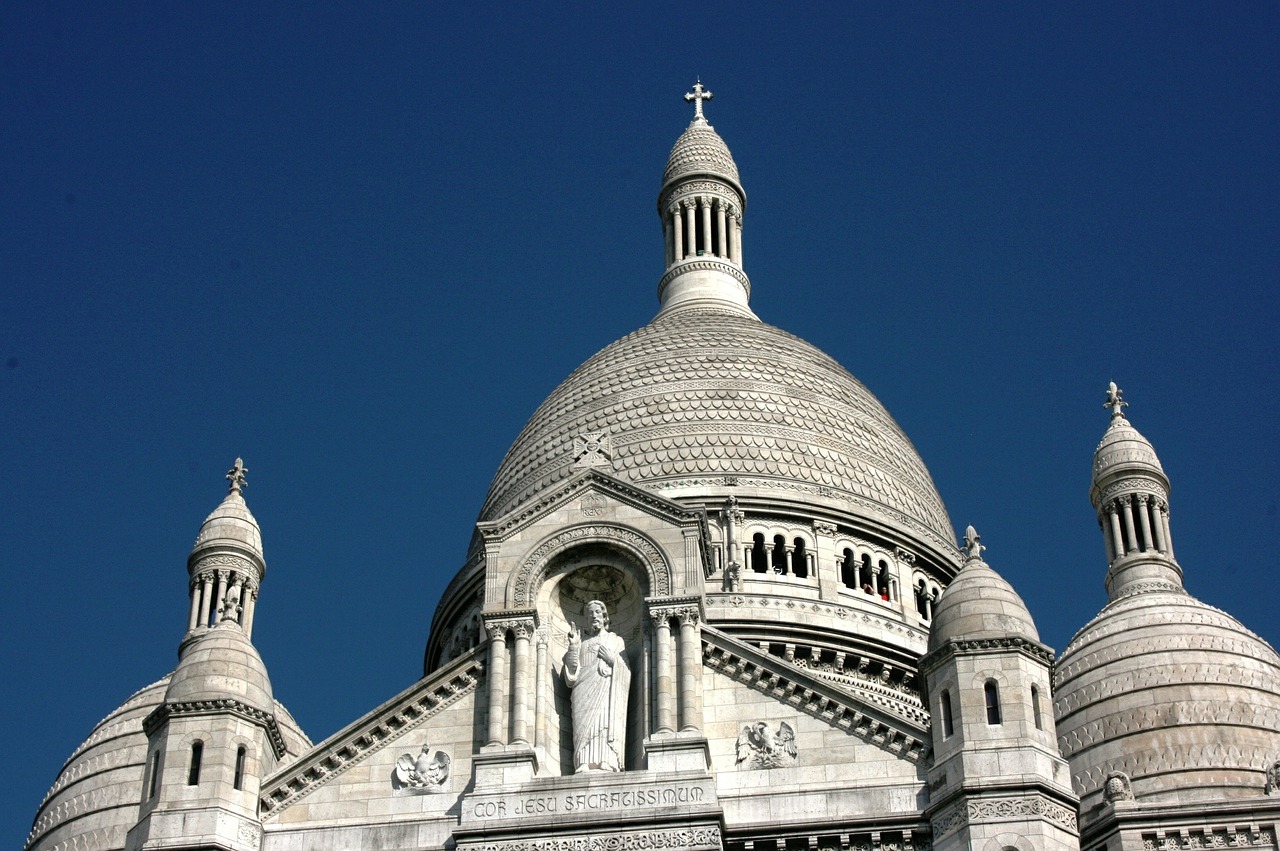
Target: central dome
[(705, 402)]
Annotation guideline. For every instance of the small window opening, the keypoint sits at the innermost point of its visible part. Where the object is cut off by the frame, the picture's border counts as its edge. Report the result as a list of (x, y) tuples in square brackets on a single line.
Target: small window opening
[(864, 575), (238, 780), (799, 560), (1035, 707), (155, 776), (193, 773), (884, 581), (921, 596), (780, 555), (992, 693), (759, 559), (849, 570), (948, 725)]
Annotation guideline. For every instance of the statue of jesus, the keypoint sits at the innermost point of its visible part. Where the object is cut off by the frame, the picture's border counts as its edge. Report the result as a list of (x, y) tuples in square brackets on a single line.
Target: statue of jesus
[(595, 668)]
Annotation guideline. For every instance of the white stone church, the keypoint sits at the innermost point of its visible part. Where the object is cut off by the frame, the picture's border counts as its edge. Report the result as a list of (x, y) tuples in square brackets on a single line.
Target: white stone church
[(714, 601)]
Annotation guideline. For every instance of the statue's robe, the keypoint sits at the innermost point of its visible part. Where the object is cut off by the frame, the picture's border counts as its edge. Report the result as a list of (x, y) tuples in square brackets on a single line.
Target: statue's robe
[(599, 703)]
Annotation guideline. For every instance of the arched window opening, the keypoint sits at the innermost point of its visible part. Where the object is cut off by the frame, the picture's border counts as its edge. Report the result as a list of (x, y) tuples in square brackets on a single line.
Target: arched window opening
[(849, 570), (948, 723), (237, 781), (155, 776), (1035, 707), (992, 692), (921, 599), (193, 773), (759, 559), (799, 560), (779, 555), (864, 575), (883, 577)]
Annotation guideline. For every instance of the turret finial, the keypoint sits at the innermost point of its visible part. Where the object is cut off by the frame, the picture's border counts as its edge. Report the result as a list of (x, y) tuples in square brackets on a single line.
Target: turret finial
[(236, 475), (698, 95), (972, 545), (1115, 400)]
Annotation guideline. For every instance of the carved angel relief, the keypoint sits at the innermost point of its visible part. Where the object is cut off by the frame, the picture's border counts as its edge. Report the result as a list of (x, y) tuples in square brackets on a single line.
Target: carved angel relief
[(760, 747), (425, 775)]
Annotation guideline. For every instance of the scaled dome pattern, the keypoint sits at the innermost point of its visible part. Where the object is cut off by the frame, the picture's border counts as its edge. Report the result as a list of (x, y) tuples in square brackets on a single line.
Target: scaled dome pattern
[(980, 605), (700, 150), (702, 395)]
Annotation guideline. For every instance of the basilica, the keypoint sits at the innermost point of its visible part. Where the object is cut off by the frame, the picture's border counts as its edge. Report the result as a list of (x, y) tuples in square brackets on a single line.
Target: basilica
[(713, 600)]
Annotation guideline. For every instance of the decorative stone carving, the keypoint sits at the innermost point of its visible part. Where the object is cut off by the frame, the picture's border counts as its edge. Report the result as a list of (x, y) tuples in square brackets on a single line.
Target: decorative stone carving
[(760, 747), (972, 544), (1118, 787), (595, 668), (425, 775), (594, 505), (1115, 400), (1273, 779), (593, 449), (236, 475), (529, 577)]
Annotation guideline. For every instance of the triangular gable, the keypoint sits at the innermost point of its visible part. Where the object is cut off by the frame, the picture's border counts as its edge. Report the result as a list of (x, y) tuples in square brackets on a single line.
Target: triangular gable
[(893, 725), (357, 741)]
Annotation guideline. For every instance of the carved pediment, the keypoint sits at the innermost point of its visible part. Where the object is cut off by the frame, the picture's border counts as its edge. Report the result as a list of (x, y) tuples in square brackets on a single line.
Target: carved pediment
[(405, 712)]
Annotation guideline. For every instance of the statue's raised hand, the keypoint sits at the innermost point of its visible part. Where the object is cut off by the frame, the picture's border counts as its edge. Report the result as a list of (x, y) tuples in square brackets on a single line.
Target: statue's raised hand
[(574, 638)]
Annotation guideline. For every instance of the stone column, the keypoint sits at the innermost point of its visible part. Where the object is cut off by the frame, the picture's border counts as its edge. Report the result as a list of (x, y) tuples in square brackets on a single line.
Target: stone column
[(1156, 526), (219, 595), (690, 670), (1144, 517), (667, 239), (690, 226), (250, 603), (705, 205), (542, 688), (194, 616), (1168, 531), (523, 630), (1117, 537), (737, 239), (1132, 539), (206, 597), (1107, 544), (720, 231), (497, 683), (677, 232), (665, 686)]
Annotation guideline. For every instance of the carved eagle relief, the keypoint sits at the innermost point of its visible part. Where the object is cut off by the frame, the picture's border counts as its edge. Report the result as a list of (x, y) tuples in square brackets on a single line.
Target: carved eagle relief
[(760, 747), (422, 776)]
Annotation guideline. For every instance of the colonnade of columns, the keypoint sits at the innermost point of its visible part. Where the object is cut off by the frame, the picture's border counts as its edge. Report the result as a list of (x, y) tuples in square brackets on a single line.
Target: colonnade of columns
[(703, 225), (212, 590), (521, 681), (1135, 523)]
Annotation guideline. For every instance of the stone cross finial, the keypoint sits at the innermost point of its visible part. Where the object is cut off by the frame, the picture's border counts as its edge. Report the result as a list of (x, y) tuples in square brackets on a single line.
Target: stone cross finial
[(236, 475), (1115, 400), (698, 95), (972, 545)]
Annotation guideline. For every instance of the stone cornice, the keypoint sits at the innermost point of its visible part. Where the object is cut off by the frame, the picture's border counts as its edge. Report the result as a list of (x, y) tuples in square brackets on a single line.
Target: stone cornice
[(620, 490), (219, 706), (705, 263), (892, 725), (1033, 650), (351, 745)]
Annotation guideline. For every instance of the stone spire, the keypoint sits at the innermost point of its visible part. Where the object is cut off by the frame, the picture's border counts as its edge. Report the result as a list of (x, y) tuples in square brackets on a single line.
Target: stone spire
[(701, 205), (1130, 493), (226, 563)]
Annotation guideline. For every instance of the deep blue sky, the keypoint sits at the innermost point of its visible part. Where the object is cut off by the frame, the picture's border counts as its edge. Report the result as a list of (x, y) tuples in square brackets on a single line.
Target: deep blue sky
[(358, 244)]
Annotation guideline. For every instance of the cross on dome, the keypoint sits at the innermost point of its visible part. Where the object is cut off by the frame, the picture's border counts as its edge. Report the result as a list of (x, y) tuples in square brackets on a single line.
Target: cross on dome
[(698, 95), (1115, 400), (236, 475)]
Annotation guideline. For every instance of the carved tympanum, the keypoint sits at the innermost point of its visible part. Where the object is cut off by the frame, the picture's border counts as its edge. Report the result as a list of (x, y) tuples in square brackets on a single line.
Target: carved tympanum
[(760, 747), (424, 775)]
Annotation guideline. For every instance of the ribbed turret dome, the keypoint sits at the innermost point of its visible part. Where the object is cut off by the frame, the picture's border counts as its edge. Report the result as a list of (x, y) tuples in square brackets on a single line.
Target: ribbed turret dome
[(700, 150), (980, 605), (230, 525), (1123, 451), (706, 402), (221, 663), (1171, 691)]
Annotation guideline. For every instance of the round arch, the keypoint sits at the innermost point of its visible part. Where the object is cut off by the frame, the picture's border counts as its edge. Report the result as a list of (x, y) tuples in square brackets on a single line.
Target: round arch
[(522, 588)]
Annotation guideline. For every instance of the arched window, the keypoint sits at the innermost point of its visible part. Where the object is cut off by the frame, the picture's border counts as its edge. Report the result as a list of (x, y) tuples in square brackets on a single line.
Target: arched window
[(193, 773), (759, 559), (948, 725), (921, 598), (237, 781), (1035, 707), (799, 560), (779, 555), (992, 692), (882, 576), (155, 776), (864, 575), (849, 570)]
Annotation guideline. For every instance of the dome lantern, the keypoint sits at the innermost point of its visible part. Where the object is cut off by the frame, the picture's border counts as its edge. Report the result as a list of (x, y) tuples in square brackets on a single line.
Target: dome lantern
[(1130, 492), (701, 203)]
